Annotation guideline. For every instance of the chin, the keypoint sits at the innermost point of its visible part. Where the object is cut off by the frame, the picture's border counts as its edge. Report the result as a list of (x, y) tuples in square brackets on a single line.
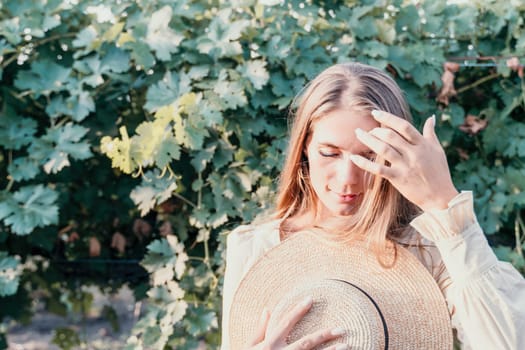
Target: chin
[(343, 211)]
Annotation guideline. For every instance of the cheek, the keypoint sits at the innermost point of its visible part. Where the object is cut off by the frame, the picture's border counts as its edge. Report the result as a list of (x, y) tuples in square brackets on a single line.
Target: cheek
[(320, 170)]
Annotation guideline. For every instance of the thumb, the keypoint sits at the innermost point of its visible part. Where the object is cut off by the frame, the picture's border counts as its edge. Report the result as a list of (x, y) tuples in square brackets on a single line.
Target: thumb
[(261, 328), (429, 129)]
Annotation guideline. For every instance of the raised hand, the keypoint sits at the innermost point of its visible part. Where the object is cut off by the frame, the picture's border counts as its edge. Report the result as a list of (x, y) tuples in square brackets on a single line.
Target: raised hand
[(417, 166)]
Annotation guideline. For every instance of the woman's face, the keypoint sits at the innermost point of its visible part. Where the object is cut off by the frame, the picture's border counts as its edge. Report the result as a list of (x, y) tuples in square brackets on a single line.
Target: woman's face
[(337, 181)]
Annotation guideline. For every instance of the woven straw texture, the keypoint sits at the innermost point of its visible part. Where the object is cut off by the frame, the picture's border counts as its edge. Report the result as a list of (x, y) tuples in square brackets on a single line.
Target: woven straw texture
[(405, 295)]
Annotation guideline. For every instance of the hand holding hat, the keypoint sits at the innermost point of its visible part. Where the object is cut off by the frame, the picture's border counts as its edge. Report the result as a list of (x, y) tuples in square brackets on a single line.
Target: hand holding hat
[(399, 307), (279, 334)]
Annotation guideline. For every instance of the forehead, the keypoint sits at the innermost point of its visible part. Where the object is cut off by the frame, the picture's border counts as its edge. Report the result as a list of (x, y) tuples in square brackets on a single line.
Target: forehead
[(338, 127)]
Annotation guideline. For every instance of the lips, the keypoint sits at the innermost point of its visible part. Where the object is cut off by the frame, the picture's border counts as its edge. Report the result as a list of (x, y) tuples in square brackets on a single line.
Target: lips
[(347, 198)]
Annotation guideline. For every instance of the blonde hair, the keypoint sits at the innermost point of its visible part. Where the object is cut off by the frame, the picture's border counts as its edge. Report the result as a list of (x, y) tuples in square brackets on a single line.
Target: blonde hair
[(384, 213)]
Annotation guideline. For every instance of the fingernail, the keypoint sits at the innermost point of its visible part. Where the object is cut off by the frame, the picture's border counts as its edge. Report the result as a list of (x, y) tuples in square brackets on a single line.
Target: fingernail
[(338, 331), (359, 131), (307, 301), (376, 113), (341, 347), (354, 158), (433, 120)]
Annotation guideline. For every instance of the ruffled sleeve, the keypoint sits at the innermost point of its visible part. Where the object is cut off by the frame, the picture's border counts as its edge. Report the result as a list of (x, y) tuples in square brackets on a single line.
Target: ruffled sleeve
[(244, 246), (486, 297)]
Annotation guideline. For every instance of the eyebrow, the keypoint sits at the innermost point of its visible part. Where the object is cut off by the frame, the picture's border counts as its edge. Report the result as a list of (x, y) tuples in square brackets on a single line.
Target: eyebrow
[(327, 144)]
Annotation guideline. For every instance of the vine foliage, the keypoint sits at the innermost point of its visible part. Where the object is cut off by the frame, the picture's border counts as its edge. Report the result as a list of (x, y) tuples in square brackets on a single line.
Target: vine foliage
[(146, 130)]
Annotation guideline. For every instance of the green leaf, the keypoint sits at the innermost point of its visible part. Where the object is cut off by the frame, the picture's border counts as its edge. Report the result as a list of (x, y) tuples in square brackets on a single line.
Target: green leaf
[(167, 151), (23, 168), (425, 75), (231, 93), (80, 105), (161, 247), (374, 48), (15, 131), (140, 54), (9, 274), (115, 60), (10, 30), (43, 78), (163, 93), (202, 158), (28, 208), (58, 144), (199, 321), (152, 191), (408, 20), (398, 56), (164, 257), (366, 28), (160, 37)]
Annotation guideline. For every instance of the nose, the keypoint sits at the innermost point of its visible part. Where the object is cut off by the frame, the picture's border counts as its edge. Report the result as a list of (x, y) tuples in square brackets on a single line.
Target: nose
[(347, 174)]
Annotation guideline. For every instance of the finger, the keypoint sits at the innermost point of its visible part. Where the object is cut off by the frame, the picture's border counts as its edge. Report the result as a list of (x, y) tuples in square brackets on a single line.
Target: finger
[(317, 338), (392, 138), (372, 167), (382, 149), (429, 129), (297, 313), (261, 328), (401, 126)]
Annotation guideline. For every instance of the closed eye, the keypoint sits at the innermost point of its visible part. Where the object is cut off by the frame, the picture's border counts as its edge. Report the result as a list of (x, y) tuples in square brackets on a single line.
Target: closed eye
[(328, 154)]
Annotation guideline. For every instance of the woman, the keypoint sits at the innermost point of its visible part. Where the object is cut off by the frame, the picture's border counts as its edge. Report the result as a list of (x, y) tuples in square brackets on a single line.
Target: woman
[(357, 167)]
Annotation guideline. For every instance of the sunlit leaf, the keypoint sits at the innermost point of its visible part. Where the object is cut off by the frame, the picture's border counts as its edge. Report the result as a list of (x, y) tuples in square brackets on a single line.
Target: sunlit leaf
[(160, 37), (119, 150), (256, 72)]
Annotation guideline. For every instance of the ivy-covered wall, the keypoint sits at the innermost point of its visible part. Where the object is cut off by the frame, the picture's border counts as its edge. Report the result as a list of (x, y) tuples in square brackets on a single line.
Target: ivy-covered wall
[(145, 130)]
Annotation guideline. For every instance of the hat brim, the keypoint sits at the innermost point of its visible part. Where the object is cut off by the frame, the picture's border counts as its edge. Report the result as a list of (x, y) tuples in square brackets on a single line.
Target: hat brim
[(406, 297)]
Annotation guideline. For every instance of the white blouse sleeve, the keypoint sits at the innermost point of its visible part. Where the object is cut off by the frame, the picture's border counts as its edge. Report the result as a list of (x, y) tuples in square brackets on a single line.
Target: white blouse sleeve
[(486, 296), (235, 261), (244, 246)]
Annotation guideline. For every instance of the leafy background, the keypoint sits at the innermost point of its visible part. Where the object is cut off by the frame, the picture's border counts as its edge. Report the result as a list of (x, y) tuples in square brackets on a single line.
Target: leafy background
[(145, 130)]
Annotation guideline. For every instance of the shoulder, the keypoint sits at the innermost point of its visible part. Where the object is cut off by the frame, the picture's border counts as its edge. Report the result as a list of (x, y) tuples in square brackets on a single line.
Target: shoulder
[(423, 249), (247, 243), (253, 237)]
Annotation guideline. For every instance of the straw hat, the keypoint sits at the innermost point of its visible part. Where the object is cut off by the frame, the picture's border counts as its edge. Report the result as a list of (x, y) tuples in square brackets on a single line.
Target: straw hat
[(400, 307)]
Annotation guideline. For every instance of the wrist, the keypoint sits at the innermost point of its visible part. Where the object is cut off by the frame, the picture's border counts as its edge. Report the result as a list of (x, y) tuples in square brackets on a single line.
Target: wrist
[(441, 200)]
